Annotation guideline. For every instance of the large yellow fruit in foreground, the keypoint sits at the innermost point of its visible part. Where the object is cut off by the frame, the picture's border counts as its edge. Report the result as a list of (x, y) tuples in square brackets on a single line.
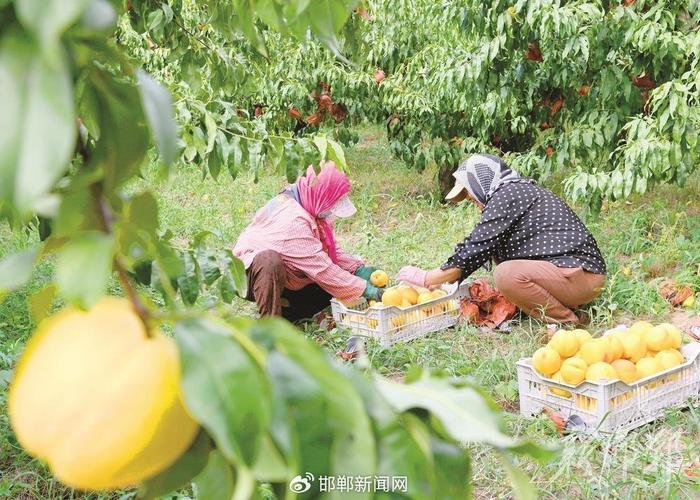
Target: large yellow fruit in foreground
[(565, 343), (599, 371), (573, 371), (546, 361), (98, 400)]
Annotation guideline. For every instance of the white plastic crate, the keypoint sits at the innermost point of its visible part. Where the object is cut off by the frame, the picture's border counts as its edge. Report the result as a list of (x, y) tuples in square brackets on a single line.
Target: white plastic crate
[(391, 324), (615, 406)]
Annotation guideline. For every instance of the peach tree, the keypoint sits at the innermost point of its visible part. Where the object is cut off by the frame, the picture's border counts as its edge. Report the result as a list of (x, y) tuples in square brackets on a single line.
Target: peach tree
[(604, 95)]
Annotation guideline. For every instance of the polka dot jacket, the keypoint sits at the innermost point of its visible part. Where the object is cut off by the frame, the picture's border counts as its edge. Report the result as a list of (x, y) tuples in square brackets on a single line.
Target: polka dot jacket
[(526, 221)]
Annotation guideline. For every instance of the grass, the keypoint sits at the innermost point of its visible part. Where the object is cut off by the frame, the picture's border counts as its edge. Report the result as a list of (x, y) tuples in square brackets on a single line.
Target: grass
[(401, 221)]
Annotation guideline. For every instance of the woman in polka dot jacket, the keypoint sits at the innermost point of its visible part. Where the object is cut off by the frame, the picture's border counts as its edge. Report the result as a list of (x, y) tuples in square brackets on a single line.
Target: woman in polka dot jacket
[(547, 261)]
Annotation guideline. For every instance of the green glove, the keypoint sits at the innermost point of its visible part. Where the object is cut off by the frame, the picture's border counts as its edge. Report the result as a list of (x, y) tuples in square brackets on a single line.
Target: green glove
[(373, 293), (365, 272)]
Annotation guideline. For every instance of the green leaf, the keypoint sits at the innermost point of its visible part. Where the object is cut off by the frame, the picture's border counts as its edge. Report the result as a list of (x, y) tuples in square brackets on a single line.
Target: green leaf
[(119, 102), (84, 266), (270, 13), (227, 288), (208, 265), (324, 412), (181, 473), (255, 157), (465, 413), (523, 489), (238, 276), (447, 463), (142, 272), (327, 19), (212, 130), (404, 450), (188, 282), (245, 23), (291, 161), (143, 212), (216, 481), (41, 301), (37, 121), (77, 210), (88, 108), (270, 465), (158, 282), (201, 237), (235, 157), (336, 154), (158, 106), (308, 413), (322, 146), (47, 19), (382, 415), (245, 484), (214, 163), (452, 470), (224, 388), (16, 269), (169, 260)]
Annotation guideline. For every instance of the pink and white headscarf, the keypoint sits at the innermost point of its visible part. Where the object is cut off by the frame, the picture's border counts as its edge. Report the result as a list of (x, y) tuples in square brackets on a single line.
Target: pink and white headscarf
[(323, 195)]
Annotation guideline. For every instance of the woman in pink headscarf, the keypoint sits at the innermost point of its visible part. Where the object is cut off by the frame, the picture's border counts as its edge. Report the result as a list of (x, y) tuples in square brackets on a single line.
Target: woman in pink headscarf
[(293, 263)]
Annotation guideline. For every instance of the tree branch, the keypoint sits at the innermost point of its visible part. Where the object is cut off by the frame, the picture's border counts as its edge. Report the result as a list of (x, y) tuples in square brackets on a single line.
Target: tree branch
[(106, 218)]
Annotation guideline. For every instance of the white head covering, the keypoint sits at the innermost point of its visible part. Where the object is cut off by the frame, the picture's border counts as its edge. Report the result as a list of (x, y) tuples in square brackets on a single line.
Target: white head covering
[(481, 175), (341, 208)]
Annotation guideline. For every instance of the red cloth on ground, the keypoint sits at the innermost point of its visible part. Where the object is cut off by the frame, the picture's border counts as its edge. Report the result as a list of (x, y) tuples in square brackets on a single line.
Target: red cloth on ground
[(486, 306)]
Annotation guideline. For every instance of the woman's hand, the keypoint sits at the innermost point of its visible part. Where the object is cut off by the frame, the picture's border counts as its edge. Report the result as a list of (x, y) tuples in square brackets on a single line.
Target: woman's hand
[(428, 279), (440, 276), (411, 274), (373, 293), (365, 272)]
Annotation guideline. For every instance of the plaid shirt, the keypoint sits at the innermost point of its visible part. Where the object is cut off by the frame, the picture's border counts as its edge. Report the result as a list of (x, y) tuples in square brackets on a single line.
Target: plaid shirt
[(284, 226)]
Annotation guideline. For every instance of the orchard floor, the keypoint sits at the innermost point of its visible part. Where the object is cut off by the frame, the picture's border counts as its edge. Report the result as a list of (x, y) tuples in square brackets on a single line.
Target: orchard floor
[(401, 221)]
